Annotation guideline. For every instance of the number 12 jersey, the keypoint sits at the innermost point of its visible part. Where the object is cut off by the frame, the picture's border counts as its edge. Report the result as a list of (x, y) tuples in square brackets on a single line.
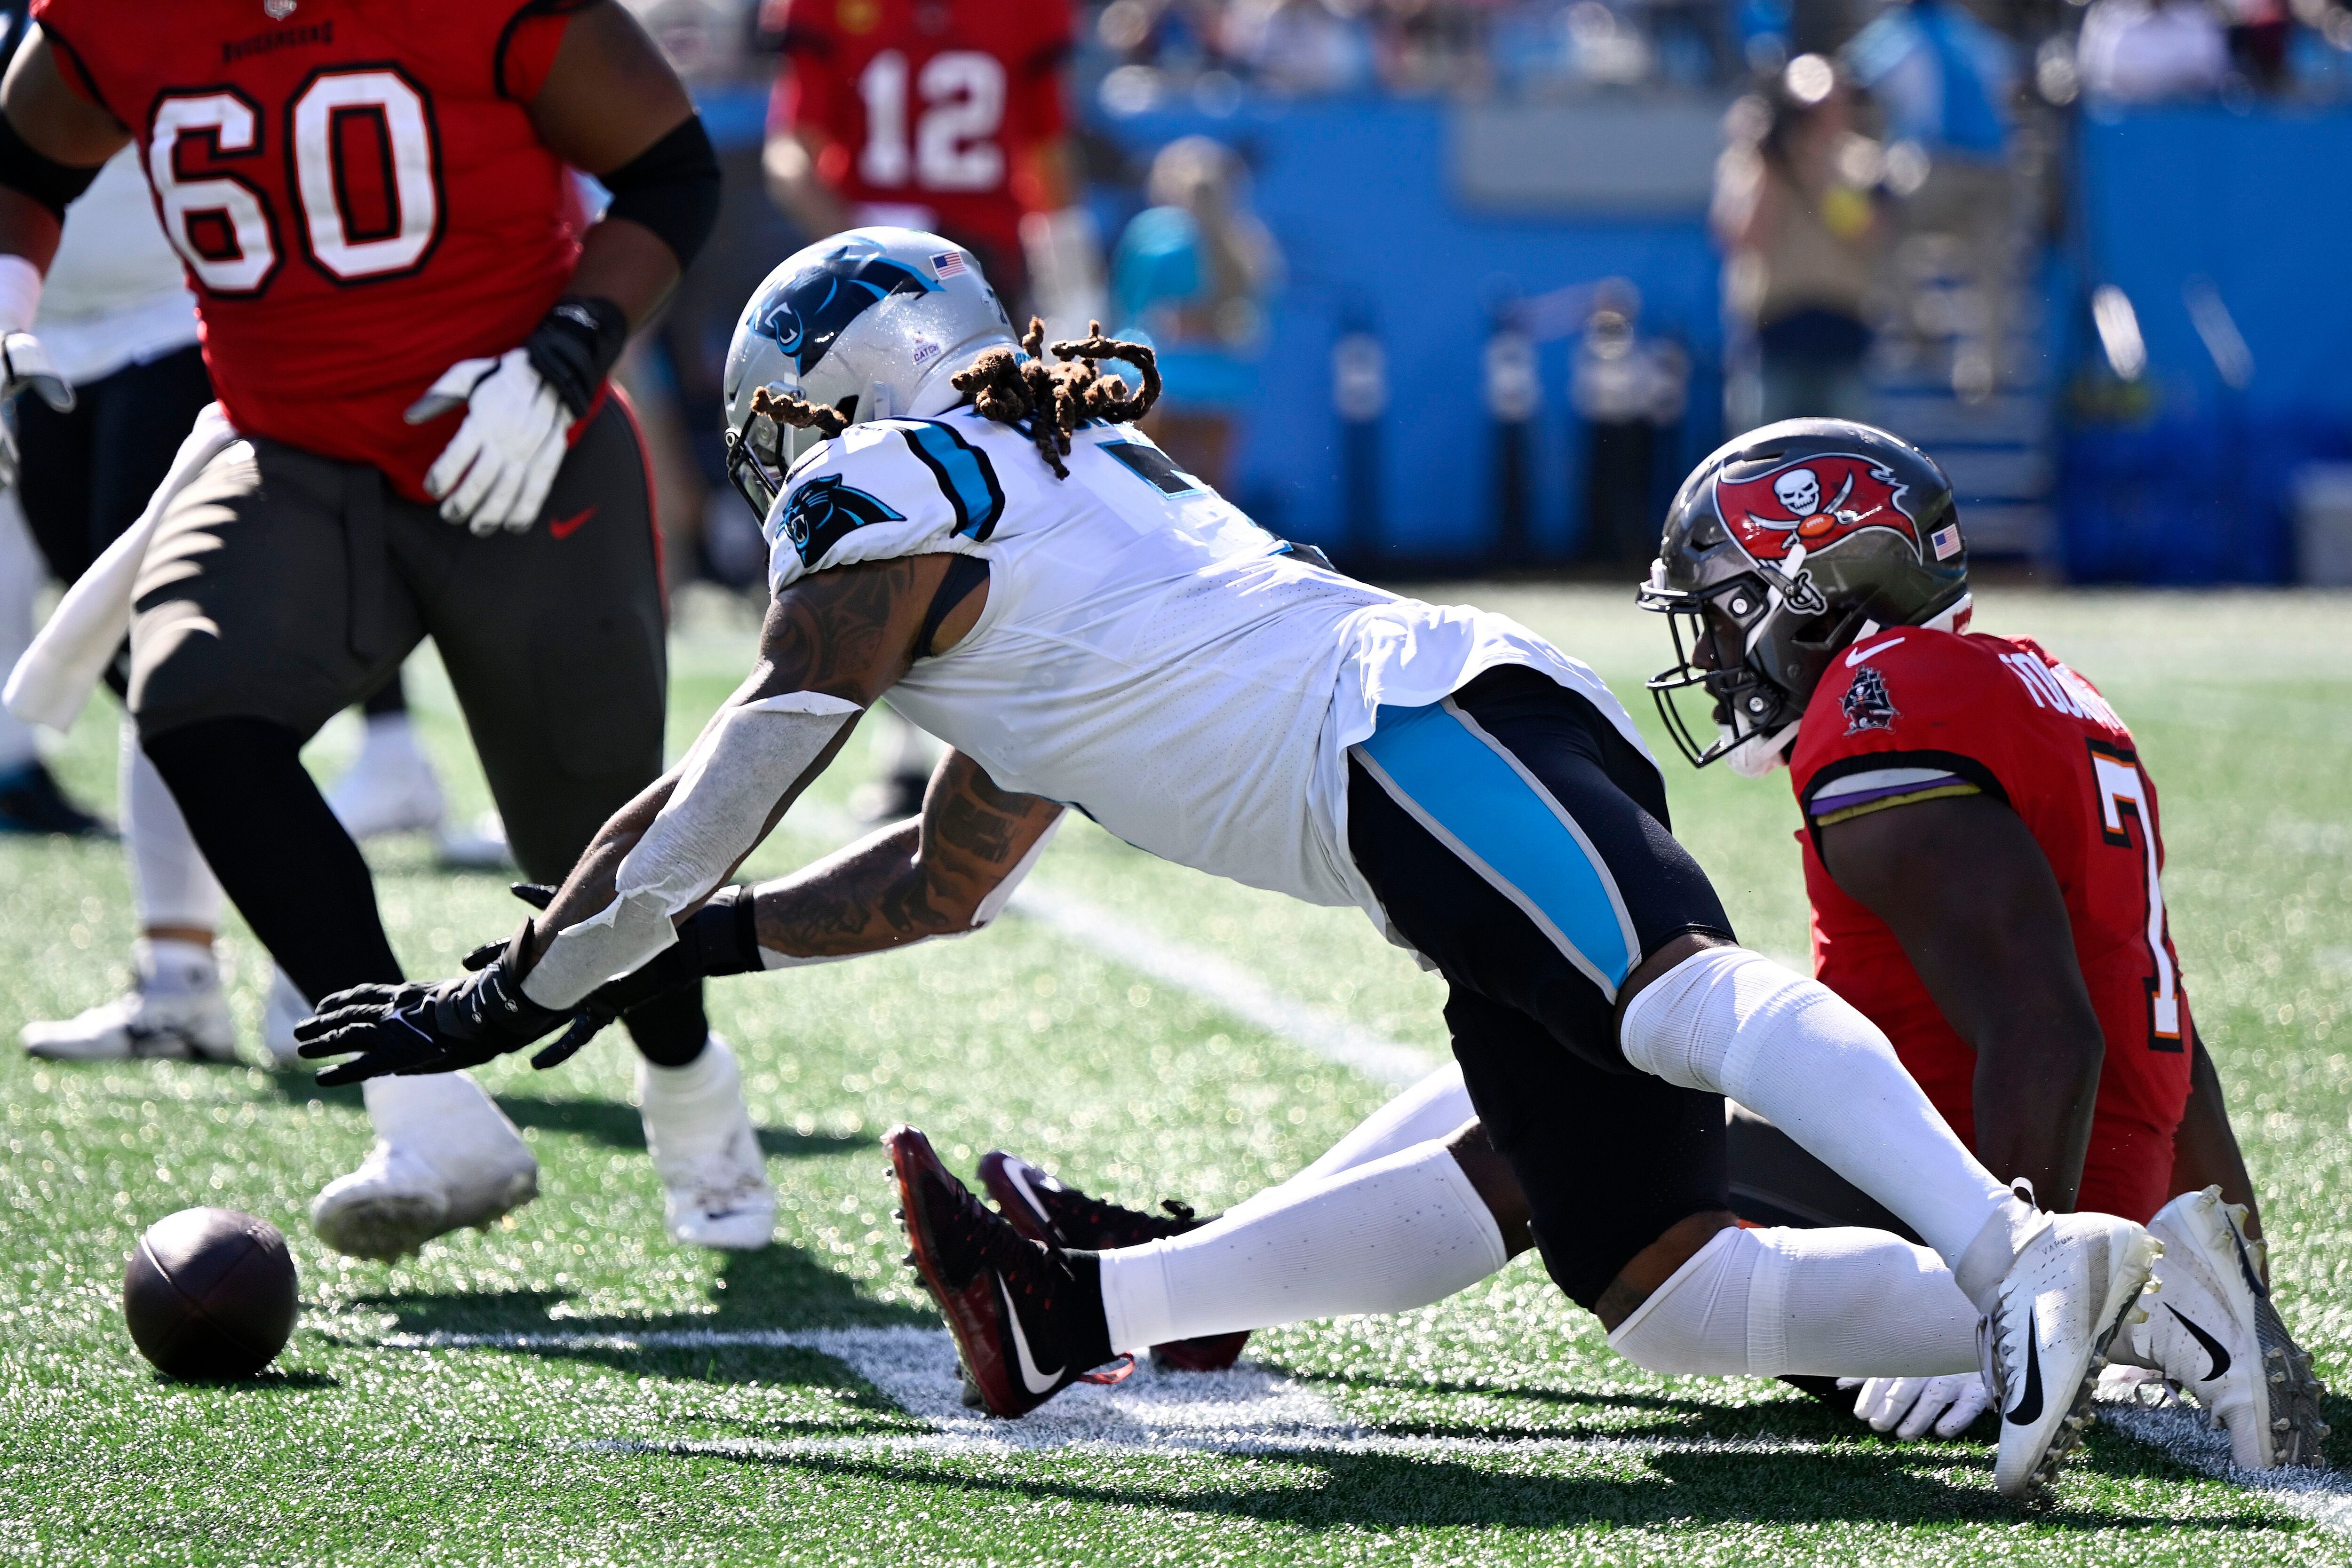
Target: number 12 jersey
[(359, 195)]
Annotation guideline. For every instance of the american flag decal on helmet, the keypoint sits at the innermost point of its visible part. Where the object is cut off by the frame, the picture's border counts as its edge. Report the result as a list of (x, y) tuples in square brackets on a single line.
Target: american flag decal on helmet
[(949, 263), (1947, 540)]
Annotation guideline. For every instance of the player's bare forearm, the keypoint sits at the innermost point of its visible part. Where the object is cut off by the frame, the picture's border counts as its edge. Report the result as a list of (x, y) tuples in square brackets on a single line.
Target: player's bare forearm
[(2205, 1150), (28, 228), (1971, 897), (930, 877), (610, 94)]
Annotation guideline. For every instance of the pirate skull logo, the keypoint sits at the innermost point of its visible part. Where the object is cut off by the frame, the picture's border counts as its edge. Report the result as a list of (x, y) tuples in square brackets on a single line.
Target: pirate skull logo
[(1799, 490)]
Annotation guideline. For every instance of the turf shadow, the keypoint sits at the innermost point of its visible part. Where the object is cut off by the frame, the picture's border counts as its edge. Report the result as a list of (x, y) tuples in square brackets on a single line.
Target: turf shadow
[(269, 1380), (619, 1126), (1371, 1492)]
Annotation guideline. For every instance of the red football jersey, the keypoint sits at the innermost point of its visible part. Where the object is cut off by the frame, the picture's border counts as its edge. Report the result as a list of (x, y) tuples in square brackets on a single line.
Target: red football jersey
[(1909, 715), (359, 196), (926, 105)]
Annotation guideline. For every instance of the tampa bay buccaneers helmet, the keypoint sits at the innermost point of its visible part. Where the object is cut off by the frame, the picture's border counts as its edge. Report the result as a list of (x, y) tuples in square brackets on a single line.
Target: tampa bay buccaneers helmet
[(1780, 548), (873, 321)]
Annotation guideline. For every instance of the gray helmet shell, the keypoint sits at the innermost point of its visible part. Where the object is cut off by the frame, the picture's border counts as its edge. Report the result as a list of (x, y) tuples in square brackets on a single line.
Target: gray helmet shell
[(1801, 535), (873, 321)]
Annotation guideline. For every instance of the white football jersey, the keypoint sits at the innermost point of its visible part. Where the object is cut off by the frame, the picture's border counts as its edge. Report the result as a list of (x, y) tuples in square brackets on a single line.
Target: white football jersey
[(1147, 654)]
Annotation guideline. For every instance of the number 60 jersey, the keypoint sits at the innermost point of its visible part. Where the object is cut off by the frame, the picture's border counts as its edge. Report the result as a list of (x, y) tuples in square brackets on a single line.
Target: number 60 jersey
[(1908, 715), (356, 190)]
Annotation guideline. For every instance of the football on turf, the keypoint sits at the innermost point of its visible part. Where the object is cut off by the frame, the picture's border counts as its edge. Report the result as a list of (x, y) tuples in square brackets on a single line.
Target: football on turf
[(209, 1293)]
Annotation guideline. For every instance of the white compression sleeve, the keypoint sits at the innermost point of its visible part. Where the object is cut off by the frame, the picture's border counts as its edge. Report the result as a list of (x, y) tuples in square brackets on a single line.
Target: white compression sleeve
[(1733, 1022), (1835, 1303), (747, 757), (1433, 1108), (169, 882), (1387, 1237)]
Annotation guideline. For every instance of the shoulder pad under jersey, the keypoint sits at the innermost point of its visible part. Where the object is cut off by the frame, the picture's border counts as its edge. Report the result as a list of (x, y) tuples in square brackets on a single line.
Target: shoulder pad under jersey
[(882, 490)]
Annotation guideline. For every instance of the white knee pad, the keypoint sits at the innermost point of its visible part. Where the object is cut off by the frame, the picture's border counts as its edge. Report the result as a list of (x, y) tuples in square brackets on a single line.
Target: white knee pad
[(1839, 1302)]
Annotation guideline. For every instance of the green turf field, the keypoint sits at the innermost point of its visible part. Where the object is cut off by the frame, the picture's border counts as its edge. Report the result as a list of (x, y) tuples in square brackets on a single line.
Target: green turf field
[(570, 1387)]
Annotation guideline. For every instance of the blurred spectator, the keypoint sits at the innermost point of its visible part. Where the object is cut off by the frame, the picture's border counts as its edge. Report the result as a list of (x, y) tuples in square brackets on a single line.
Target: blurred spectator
[(1300, 48), (2148, 51), (1630, 392), (1190, 274), (1799, 232), (1945, 81)]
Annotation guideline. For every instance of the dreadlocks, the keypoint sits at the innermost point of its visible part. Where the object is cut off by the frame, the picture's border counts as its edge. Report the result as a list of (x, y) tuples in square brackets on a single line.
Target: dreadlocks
[(799, 412), (1056, 398), (1008, 387)]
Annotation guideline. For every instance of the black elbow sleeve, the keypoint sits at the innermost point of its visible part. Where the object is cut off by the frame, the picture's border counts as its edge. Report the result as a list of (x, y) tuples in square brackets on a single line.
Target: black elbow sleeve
[(34, 173), (671, 188)]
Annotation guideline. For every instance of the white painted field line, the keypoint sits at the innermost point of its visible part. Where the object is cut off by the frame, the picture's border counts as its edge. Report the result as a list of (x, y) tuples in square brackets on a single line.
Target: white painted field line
[(1246, 1410), (1225, 985), (2180, 1433)]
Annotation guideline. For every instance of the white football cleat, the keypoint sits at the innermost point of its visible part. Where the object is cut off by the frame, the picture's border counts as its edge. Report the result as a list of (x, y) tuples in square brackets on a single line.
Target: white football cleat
[(714, 1176), (286, 1008), (2207, 1333), (2066, 1292), (182, 1025), (391, 788), (444, 1157)]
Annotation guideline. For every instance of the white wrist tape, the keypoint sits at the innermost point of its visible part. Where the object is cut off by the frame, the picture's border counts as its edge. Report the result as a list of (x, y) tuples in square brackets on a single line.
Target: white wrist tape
[(745, 761), (20, 294)]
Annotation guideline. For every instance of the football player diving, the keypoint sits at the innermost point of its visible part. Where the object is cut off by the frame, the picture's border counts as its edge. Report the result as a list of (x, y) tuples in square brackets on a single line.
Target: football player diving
[(982, 534), (1982, 854)]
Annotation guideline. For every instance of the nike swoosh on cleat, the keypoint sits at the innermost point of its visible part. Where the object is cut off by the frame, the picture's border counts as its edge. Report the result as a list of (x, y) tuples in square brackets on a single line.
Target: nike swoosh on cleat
[(2214, 1348), (564, 528), (1039, 1383), (2028, 1408), (1020, 1185)]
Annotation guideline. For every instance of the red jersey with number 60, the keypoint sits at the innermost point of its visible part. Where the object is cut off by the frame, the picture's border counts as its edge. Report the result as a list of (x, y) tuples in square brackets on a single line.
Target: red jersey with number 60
[(1909, 715), (926, 104), (356, 190)]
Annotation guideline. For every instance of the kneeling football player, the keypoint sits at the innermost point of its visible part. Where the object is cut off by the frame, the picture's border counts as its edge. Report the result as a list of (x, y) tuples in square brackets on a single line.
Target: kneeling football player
[(985, 537), (1982, 854)]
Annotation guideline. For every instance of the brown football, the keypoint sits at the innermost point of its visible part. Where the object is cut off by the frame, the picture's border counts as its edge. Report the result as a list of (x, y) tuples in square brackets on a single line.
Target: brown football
[(209, 1293)]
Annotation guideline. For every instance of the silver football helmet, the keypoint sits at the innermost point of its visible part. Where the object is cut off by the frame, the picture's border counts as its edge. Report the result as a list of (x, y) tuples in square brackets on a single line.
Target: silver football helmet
[(874, 321)]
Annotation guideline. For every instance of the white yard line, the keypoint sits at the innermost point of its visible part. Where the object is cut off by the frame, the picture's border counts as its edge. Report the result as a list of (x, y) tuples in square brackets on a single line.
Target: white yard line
[(2180, 1433)]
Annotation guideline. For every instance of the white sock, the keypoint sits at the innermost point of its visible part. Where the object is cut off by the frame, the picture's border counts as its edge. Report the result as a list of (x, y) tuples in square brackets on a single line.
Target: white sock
[(1733, 1022), (169, 882), (1844, 1303), (1398, 1233), (1433, 1108), (711, 1073), (173, 969), (440, 1111)]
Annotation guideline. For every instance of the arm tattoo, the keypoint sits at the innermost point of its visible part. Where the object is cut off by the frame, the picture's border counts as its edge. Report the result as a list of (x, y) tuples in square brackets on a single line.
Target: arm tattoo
[(847, 633)]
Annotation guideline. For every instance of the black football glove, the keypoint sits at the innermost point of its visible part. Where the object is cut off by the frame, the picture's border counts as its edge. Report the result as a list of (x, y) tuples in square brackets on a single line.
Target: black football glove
[(412, 1029)]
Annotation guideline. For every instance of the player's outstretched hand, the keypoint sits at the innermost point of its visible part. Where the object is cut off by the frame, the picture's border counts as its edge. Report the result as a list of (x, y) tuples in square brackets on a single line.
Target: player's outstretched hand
[(414, 1028), (25, 365), (496, 471), (1908, 1406)]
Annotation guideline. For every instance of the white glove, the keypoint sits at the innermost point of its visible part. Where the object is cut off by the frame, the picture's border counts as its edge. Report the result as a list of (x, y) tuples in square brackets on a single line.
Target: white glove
[(496, 471), (1959, 1398), (25, 363)]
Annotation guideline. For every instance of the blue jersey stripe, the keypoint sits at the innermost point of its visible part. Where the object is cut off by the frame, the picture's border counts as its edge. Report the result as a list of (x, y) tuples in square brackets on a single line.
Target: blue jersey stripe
[(965, 476), (1506, 829)]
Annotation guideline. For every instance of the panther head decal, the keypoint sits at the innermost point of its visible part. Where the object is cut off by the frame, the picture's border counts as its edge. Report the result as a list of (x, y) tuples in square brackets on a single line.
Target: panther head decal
[(826, 511), (818, 306)]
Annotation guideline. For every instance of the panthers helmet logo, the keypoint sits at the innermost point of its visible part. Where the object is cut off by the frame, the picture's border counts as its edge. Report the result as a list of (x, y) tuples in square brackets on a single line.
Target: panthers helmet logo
[(818, 306), (826, 511)]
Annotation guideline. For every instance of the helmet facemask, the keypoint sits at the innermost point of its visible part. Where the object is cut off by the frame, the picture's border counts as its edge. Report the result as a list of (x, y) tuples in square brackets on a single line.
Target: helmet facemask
[(1759, 697)]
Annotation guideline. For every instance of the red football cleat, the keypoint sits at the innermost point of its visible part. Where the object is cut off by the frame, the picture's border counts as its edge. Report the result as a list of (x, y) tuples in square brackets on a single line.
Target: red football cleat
[(1028, 1321), (1045, 1211)]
